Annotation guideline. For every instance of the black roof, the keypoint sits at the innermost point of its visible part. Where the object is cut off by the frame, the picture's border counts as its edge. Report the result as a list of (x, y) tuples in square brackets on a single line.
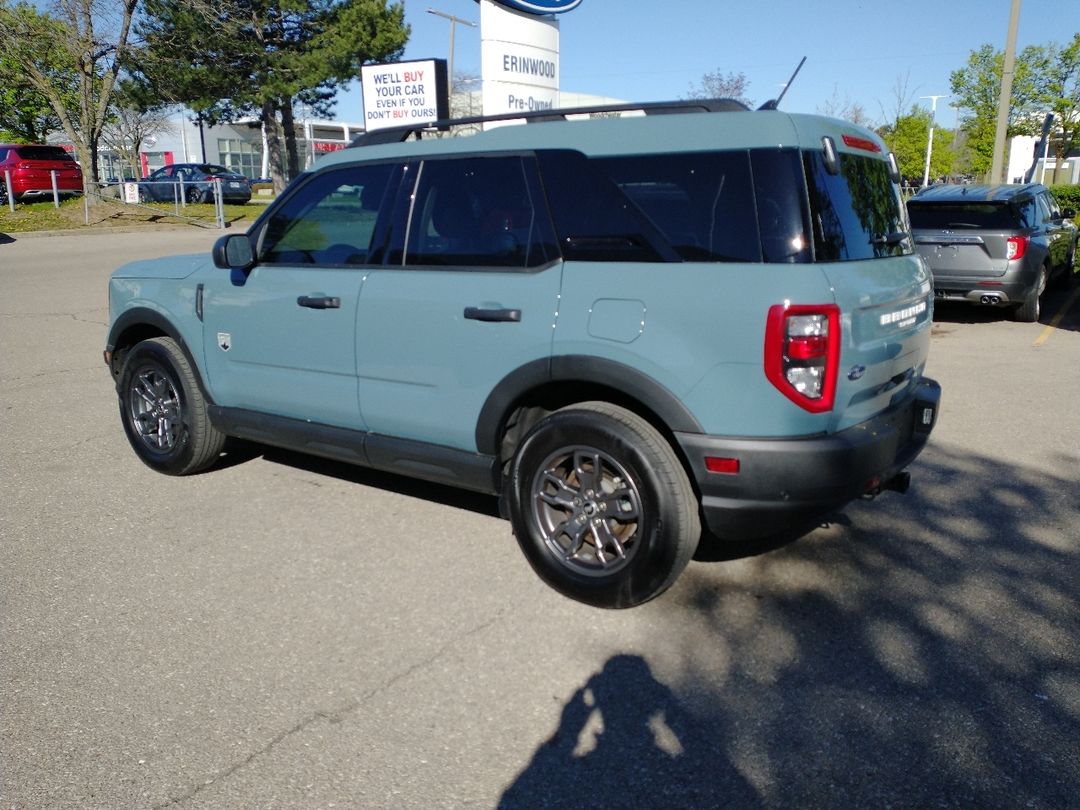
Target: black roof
[(953, 192)]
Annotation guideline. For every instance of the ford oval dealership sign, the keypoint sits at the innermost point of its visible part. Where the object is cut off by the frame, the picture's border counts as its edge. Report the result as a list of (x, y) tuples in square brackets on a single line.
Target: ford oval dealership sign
[(540, 6)]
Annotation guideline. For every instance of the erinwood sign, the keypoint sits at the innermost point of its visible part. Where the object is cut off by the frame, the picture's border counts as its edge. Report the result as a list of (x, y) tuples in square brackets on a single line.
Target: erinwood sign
[(401, 93), (519, 53)]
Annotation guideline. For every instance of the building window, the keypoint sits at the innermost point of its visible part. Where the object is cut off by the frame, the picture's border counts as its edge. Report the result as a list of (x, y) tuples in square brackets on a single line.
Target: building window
[(241, 156)]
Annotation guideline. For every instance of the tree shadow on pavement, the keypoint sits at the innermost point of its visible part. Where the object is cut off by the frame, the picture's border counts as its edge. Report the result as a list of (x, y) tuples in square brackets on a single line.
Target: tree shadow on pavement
[(927, 654)]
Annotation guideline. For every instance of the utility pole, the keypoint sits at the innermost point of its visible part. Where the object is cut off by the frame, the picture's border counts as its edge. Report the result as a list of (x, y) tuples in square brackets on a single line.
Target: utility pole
[(930, 138), (453, 23), (1005, 99)]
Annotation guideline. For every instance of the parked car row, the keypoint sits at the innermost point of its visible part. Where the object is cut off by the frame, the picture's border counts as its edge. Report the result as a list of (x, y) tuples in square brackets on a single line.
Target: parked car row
[(32, 168)]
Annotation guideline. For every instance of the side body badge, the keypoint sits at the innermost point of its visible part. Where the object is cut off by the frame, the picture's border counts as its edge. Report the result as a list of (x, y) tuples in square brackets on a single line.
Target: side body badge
[(224, 341)]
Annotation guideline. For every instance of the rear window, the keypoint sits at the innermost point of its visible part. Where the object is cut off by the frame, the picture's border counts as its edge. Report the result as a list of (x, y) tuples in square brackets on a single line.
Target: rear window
[(42, 153), (212, 170), (855, 212), (951, 216)]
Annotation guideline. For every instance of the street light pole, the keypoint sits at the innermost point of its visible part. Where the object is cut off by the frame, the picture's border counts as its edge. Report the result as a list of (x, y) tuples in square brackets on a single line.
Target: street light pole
[(930, 139), (453, 23)]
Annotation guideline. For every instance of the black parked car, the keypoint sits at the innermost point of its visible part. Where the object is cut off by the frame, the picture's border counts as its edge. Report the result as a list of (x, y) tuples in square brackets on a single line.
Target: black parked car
[(195, 179), (994, 245)]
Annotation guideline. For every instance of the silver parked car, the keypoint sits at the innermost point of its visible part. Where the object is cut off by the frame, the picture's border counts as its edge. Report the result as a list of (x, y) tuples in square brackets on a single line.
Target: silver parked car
[(994, 245)]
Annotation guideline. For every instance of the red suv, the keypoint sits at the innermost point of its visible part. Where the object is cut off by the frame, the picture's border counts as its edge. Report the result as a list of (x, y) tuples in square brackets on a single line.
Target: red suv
[(30, 167)]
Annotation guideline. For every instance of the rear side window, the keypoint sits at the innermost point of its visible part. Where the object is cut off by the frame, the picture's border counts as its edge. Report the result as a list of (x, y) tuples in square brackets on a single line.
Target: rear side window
[(855, 212), (975, 215), (330, 219), (480, 212), (779, 190), (594, 219), (699, 201)]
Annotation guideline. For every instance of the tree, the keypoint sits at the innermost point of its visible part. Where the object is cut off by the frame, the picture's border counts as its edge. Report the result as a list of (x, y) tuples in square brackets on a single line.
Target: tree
[(87, 40), (25, 114), (907, 140), (722, 85), (1058, 91), (131, 124), (976, 88), (262, 57), (845, 109)]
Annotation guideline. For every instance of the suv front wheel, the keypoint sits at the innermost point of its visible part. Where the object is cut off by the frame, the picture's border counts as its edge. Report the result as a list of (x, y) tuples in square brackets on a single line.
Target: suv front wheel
[(601, 506), (163, 410)]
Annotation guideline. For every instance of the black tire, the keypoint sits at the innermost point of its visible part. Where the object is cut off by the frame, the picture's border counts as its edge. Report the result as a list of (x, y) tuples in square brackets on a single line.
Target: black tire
[(1029, 311), (163, 410), (601, 506), (194, 195)]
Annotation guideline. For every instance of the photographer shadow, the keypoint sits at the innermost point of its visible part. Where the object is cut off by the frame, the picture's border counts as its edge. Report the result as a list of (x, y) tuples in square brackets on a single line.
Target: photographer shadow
[(624, 740)]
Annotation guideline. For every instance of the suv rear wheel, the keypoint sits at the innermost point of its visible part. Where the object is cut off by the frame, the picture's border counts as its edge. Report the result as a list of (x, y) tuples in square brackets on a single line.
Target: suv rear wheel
[(601, 506), (163, 410), (1029, 311)]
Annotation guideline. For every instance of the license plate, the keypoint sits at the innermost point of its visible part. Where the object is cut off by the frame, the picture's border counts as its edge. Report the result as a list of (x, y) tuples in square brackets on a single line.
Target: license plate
[(234, 185)]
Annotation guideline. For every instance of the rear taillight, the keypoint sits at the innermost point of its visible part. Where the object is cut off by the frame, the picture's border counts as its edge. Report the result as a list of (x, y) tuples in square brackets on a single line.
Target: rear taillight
[(802, 354), (1017, 247)]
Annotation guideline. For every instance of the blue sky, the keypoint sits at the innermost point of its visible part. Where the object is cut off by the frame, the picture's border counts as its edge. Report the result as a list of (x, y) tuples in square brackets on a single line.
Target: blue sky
[(857, 50)]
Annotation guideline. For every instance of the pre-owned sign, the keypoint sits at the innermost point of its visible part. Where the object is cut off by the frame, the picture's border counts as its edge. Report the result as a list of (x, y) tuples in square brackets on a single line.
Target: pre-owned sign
[(404, 93)]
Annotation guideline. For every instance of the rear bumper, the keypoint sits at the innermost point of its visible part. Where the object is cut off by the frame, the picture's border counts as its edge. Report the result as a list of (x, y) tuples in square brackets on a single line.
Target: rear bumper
[(782, 482)]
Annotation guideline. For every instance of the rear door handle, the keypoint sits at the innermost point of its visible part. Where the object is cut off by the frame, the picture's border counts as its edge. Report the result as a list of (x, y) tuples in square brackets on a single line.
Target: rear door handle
[(319, 302), (492, 315)]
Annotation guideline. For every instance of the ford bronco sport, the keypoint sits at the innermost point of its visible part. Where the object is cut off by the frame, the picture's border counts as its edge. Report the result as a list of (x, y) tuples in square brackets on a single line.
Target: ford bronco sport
[(630, 329)]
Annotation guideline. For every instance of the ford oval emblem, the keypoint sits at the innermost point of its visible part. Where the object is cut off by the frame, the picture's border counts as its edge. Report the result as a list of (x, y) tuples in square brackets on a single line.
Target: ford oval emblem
[(856, 372), (540, 6)]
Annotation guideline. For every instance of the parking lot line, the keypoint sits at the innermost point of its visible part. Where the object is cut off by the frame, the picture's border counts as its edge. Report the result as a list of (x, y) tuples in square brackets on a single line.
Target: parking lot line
[(1050, 327)]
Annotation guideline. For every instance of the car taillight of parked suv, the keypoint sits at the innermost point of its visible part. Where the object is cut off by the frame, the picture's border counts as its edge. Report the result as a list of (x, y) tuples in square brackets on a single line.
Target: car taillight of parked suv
[(31, 168)]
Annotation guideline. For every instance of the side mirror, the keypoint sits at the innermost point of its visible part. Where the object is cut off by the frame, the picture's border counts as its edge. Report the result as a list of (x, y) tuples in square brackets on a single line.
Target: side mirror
[(234, 252)]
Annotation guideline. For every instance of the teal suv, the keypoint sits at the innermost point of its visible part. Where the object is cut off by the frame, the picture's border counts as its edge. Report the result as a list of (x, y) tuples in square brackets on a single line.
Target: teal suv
[(632, 330)]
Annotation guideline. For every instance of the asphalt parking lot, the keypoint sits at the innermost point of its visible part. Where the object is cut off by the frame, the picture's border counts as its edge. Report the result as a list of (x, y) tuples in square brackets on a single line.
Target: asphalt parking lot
[(288, 633)]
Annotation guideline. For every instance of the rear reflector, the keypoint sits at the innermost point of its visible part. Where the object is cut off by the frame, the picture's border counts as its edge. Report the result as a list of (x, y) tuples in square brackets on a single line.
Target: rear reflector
[(723, 466)]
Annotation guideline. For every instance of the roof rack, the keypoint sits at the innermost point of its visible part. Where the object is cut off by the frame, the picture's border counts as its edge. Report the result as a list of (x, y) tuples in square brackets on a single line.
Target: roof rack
[(399, 134)]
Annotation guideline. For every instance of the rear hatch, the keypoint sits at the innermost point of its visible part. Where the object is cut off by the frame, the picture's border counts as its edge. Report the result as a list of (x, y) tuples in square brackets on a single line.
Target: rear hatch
[(964, 239), (883, 290)]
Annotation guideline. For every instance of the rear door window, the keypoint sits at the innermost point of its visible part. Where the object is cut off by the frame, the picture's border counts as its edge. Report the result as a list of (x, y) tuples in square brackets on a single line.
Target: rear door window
[(479, 212)]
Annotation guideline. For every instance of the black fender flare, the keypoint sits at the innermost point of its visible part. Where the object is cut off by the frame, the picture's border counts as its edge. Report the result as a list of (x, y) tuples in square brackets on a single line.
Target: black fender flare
[(581, 369), (138, 317)]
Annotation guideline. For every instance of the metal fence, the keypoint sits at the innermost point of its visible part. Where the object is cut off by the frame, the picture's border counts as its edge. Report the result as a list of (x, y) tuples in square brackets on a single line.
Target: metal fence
[(129, 194)]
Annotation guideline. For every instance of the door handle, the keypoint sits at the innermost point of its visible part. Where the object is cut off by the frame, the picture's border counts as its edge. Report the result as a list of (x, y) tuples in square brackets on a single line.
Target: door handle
[(492, 315), (319, 302)]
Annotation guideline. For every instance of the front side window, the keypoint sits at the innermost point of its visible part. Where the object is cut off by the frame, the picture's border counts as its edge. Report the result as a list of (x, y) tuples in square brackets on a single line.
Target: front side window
[(858, 213), (475, 212), (330, 219)]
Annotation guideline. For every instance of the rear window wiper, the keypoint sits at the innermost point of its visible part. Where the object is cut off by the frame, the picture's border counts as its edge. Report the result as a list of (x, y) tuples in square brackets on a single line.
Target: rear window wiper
[(890, 239)]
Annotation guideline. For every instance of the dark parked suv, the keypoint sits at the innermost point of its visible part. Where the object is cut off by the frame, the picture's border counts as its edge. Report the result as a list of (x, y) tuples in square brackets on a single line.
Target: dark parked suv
[(994, 245)]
